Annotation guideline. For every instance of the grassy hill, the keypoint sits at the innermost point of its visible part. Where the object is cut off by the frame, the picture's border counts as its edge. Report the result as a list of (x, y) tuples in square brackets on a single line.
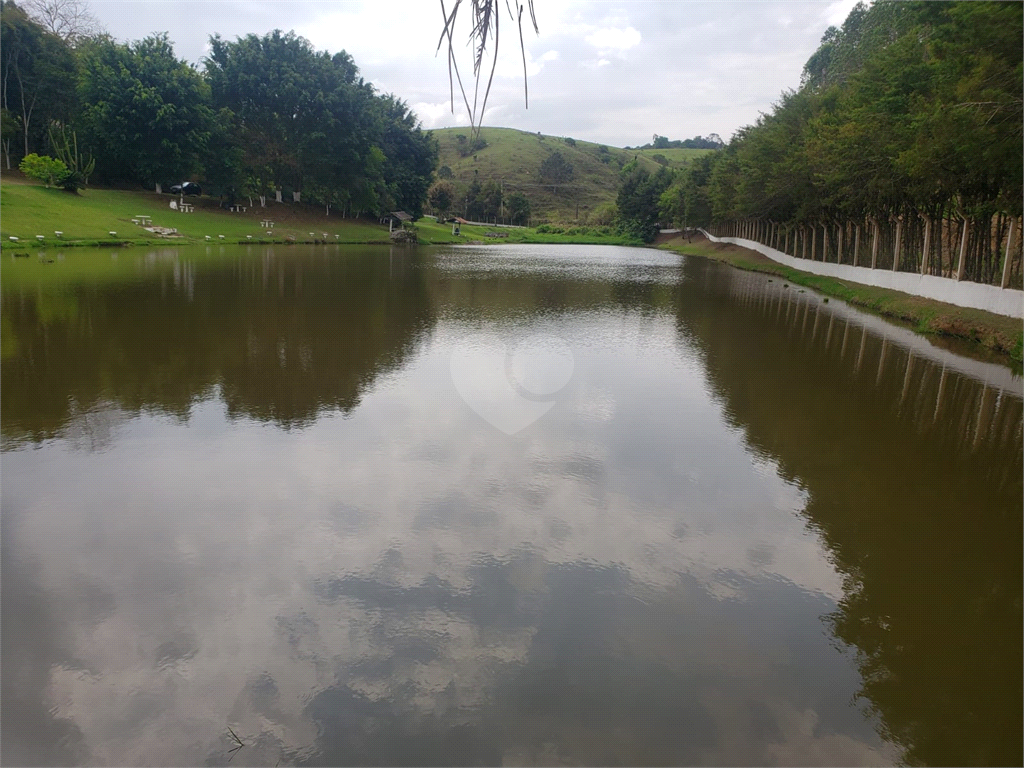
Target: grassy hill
[(514, 157), (677, 158), (30, 209)]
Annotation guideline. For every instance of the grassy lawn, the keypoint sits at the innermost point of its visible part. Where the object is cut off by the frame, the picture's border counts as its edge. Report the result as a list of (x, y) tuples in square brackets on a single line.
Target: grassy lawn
[(88, 217), (998, 333)]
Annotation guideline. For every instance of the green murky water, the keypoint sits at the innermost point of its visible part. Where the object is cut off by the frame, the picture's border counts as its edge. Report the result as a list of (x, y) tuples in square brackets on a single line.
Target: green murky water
[(516, 505)]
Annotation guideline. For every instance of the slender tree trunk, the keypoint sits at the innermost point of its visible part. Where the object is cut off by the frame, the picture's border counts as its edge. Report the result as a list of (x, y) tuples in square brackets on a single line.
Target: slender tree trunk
[(874, 243), (961, 266), (839, 243), (1008, 259), (897, 245), (927, 245), (856, 243)]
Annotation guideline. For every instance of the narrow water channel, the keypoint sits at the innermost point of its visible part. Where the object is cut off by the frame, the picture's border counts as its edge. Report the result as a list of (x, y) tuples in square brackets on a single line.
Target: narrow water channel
[(498, 505)]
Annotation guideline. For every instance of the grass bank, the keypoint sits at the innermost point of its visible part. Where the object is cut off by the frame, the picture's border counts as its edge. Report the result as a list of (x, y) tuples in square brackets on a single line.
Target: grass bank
[(103, 217), (997, 333), (89, 218), (432, 233)]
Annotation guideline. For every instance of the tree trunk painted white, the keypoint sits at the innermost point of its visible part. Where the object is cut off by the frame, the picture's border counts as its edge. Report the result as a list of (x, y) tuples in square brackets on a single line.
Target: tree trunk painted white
[(927, 245), (874, 243), (296, 197), (961, 266), (277, 195), (899, 244), (159, 189), (1009, 253)]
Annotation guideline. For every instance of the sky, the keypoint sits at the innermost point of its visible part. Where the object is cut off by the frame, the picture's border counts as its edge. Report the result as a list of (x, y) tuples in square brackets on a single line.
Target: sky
[(615, 73)]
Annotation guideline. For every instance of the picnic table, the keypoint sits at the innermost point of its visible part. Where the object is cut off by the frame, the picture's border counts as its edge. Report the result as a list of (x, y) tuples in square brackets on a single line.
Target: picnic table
[(238, 208), (144, 220), (186, 207), (267, 224)]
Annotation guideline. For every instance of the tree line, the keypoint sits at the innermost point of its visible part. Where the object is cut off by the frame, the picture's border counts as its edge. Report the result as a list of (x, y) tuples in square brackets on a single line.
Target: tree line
[(902, 148), (711, 141), (263, 115)]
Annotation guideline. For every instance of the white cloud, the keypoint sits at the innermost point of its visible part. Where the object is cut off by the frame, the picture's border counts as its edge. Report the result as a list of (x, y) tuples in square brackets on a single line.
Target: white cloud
[(612, 40), (725, 62)]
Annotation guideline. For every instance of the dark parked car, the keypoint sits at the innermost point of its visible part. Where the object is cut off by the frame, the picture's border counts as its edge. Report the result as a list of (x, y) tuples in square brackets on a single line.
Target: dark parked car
[(187, 188)]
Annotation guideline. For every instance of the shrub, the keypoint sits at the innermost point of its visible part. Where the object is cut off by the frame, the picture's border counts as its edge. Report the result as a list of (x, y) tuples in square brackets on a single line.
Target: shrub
[(46, 169)]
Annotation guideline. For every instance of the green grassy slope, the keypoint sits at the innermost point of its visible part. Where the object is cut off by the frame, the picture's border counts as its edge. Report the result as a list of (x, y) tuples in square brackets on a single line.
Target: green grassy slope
[(677, 158), (514, 157), (29, 209)]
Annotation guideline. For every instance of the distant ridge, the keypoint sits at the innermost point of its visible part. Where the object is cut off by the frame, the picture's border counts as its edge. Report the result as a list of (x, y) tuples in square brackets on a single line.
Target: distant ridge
[(513, 158)]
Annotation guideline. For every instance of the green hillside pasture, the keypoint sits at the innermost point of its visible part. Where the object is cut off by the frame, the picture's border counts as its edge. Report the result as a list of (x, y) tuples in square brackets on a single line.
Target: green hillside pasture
[(432, 233), (677, 158), (87, 218), (514, 157)]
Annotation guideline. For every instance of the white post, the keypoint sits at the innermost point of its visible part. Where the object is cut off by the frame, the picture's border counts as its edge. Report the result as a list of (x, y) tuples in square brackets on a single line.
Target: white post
[(1009, 253)]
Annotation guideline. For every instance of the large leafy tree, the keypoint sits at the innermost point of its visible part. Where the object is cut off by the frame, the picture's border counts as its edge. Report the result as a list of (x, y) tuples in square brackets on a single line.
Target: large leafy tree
[(37, 78), (302, 117), (638, 200), (410, 155), (306, 120), (555, 169), (146, 115)]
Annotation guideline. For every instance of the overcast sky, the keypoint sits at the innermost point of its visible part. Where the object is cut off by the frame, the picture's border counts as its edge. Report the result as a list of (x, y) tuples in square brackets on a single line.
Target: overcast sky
[(609, 72)]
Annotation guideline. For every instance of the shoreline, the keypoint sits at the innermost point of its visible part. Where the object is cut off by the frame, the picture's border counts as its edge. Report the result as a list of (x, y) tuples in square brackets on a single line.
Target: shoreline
[(985, 332)]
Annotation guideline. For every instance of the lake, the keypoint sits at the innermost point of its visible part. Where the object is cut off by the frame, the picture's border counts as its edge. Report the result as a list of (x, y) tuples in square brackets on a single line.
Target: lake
[(495, 505)]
